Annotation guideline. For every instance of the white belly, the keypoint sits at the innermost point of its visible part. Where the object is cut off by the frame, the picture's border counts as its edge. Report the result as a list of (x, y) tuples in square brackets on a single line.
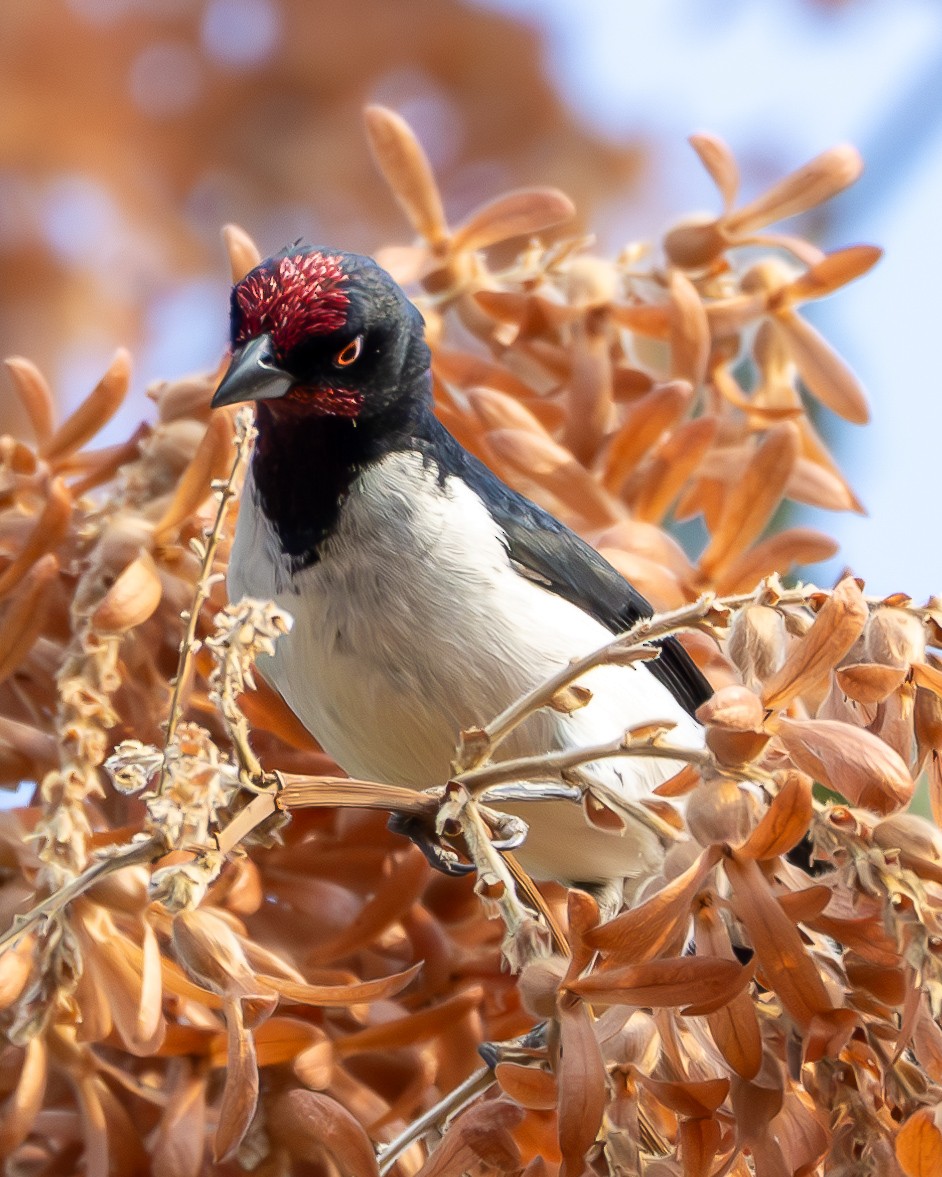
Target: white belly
[(413, 625)]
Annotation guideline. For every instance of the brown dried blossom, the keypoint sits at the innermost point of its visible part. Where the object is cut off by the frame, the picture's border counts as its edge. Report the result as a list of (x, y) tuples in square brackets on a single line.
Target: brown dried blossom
[(188, 986)]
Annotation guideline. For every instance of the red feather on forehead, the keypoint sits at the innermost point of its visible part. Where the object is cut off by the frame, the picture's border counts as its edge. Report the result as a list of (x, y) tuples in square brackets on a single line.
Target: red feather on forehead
[(291, 298)]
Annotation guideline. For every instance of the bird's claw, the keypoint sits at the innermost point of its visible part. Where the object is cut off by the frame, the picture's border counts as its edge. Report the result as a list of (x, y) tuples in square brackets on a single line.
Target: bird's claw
[(526, 1049), (417, 830), (510, 831)]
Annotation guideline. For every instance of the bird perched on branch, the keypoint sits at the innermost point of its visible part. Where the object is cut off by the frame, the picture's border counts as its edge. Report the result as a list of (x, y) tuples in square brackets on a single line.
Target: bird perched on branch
[(426, 594)]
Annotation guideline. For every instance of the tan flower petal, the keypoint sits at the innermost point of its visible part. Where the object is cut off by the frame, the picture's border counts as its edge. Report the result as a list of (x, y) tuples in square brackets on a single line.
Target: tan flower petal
[(652, 580), (552, 466), (22, 1106), (669, 981), (407, 171), (785, 822), (481, 1134), (313, 1126), (343, 995), (818, 486), (180, 1142), (691, 1098), (821, 178), (240, 1093), (753, 499), (734, 1026), (242, 250), (149, 1025), (474, 371), (189, 397), (212, 460), (531, 1087), (689, 333), (516, 214), (837, 626), (919, 1143), (831, 273), (582, 1085), (776, 553), (719, 161), (403, 887), (412, 1028), (850, 760), (670, 466), (786, 966), (868, 682), (650, 320), (34, 392), (659, 924), (96, 410), (497, 410), (828, 378), (25, 616), (642, 426), (728, 316), (45, 535), (590, 397), (700, 1140)]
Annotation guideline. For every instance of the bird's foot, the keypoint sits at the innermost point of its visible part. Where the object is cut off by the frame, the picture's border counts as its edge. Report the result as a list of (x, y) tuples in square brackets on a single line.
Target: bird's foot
[(527, 1049), (421, 832)]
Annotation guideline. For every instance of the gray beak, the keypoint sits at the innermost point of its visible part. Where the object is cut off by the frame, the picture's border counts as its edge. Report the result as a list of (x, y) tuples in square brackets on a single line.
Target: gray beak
[(253, 375)]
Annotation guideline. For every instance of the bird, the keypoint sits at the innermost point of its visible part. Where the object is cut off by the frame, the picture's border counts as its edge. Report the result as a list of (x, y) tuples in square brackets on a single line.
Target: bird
[(427, 595)]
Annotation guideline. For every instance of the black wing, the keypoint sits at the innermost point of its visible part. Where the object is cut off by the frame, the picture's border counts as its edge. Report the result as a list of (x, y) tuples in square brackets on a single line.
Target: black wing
[(556, 557)]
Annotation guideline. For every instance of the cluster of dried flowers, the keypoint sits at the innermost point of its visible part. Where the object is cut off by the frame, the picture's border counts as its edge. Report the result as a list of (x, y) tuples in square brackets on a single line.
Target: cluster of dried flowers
[(192, 983)]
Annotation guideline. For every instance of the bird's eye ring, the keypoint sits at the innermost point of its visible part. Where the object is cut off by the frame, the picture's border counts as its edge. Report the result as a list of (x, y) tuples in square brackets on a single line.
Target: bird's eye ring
[(349, 353)]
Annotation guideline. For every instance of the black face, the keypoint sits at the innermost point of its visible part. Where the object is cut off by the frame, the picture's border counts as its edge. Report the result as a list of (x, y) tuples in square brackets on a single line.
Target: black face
[(326, 333)]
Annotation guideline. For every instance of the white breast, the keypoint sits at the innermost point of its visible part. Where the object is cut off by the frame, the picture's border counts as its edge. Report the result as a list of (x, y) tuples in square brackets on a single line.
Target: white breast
[(414, 625)]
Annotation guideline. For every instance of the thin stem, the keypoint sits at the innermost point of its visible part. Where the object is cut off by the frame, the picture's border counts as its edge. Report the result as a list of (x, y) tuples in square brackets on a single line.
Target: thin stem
[(204, 582), (52, 905), (551, 765), (524, 935), (435, 1118), (619, 650)]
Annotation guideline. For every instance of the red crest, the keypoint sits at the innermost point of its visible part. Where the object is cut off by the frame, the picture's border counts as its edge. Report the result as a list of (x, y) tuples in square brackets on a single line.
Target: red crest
[(291, 298)]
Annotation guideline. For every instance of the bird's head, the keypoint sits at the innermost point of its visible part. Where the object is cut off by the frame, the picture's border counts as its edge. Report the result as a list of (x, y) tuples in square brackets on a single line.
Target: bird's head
[(321, 332)]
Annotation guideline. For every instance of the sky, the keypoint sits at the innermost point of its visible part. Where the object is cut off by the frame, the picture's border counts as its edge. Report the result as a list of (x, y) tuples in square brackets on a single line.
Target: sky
[(781, 80)]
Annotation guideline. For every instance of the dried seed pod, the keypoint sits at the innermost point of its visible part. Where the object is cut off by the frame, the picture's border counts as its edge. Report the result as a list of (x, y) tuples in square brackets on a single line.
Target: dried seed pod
[(636, 1043), (132, 598), (894, 637), (188, 398), (539, 985), (757, 643), (722, 810), (909, 832), (591, 282), (695, 243)]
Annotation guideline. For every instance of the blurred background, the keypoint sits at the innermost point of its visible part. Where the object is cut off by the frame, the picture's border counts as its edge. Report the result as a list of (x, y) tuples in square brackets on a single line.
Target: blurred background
[(133, 129)]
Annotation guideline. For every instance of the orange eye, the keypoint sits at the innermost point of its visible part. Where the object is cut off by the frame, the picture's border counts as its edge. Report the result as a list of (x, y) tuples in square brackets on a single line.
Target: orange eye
[(347, 355)]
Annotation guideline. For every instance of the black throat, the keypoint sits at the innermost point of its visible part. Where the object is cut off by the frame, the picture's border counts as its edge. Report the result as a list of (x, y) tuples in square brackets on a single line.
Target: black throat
[(304, 466)]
